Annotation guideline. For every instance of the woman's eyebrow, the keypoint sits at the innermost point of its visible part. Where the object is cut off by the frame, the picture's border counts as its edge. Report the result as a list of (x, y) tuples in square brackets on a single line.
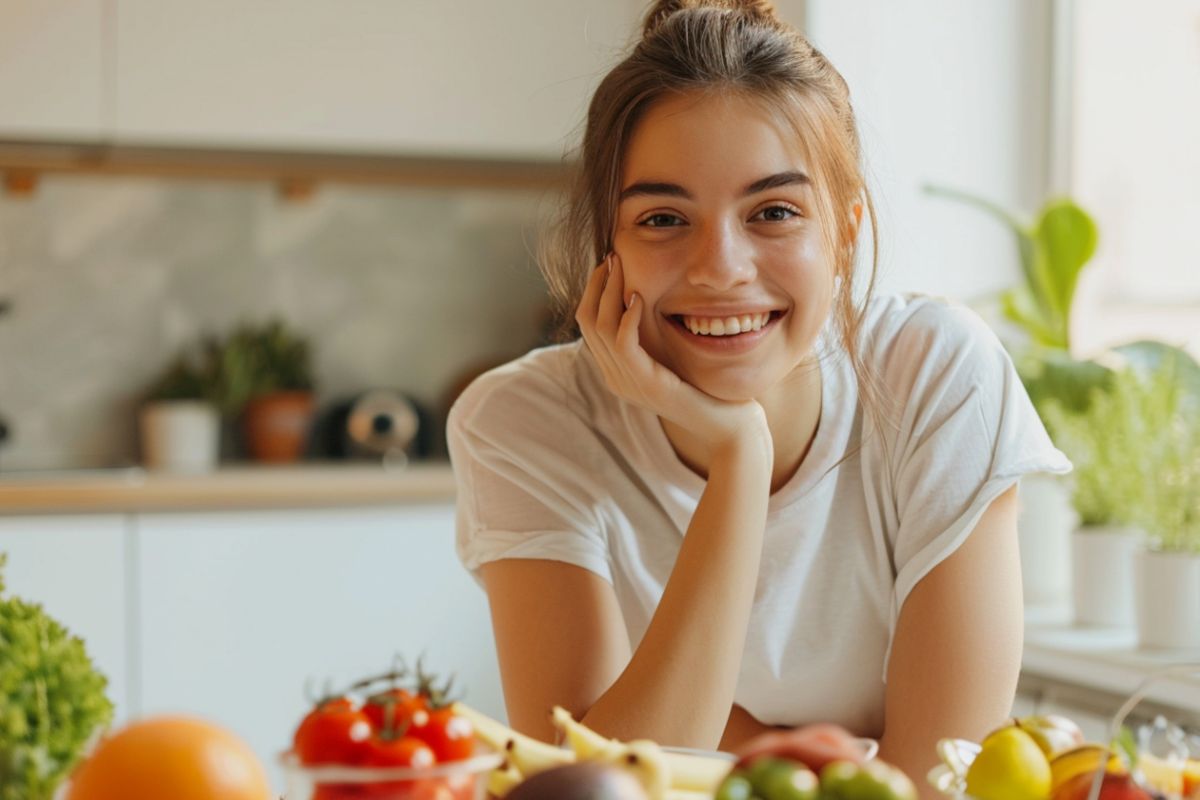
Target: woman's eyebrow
[(662, 188), (655, 188), (775, 181)]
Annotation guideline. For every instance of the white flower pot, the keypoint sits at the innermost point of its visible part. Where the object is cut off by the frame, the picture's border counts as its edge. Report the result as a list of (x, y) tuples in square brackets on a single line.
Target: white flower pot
[(180, 435), (1044, 532), (1168, 600), (1102, 558)]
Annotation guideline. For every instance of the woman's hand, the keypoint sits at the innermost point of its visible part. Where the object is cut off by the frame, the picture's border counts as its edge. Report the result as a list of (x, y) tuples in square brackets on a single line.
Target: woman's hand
[(611, 333)]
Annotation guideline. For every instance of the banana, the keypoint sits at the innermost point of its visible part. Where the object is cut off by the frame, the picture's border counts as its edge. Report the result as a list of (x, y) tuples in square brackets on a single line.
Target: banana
[(503, 779), (1084, 758), (697, 773), (528, 755), (687, 772), (586, 743), (644, 760), (665, 775)]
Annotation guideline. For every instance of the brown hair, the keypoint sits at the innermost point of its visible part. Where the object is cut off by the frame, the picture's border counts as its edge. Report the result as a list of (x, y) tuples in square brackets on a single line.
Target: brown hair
[(719, 46)]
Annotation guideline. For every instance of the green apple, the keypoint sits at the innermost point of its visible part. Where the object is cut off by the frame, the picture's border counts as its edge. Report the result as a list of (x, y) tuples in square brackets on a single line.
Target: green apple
[(874, 780)]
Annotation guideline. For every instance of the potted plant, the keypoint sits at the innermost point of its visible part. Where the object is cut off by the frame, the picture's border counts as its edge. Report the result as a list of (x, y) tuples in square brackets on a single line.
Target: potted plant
[(1054, 249), (179, 421), (1105, 441), (266, 374), (1167, 571)]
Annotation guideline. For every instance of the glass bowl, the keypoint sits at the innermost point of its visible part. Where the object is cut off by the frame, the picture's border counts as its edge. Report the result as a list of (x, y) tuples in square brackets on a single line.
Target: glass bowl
[(452, 780)]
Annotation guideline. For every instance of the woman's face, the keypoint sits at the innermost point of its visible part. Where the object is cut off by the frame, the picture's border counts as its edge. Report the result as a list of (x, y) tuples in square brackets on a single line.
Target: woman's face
[(717, 223)]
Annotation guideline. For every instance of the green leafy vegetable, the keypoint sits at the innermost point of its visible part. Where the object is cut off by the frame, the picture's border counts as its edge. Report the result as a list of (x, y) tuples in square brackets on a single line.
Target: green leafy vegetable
[(52, 700)]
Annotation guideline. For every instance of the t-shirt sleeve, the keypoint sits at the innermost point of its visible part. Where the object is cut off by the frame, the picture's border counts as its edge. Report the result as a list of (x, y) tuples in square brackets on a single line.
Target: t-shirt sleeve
[(967, 432), (522, 492)]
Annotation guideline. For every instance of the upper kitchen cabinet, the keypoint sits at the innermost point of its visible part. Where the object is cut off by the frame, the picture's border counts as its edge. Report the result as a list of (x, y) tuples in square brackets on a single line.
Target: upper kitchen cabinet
[(475, 78), (52, 72)]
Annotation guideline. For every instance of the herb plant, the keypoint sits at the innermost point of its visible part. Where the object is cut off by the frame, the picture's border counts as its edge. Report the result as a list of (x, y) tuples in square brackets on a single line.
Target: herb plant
[(52, 700)]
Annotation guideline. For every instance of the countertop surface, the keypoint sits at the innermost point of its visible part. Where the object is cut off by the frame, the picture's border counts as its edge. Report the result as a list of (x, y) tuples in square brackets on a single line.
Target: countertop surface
[(1108, 661), (308, 485)]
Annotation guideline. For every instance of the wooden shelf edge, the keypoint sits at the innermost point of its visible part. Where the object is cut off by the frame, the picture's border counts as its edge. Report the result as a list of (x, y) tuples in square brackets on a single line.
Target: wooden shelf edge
[(84, 158)]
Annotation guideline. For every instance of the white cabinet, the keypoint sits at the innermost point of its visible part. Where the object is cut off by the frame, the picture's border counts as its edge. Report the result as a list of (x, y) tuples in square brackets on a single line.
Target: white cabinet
[(75, 567), (51, 69), (239, 610), (472, 78)]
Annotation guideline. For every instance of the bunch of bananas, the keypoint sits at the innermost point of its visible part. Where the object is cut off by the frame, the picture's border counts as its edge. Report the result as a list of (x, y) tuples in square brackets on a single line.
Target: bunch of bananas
[(661, 774)]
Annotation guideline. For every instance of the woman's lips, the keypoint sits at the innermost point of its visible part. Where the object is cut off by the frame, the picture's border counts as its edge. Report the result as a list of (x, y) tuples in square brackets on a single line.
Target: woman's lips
[(725, 344)]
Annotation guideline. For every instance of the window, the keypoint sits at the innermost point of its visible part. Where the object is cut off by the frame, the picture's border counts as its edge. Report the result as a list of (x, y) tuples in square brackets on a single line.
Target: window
[(1128, 149)]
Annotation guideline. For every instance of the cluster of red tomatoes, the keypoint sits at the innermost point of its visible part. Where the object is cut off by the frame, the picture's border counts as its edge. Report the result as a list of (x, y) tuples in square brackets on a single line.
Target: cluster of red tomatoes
[(394, 727)]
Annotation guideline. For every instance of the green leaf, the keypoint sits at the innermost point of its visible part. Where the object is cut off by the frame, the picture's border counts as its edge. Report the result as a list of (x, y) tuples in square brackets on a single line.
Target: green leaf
[(1149, 356), (1018, 306), (1065, 237)]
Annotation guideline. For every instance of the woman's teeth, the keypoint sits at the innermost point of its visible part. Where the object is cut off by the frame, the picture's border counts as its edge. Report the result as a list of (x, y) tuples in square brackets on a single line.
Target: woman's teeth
[(725, 326)]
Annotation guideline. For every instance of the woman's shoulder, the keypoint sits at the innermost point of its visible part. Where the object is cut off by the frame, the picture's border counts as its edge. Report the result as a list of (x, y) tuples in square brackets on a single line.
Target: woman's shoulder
[(545, 384), (910, 337)]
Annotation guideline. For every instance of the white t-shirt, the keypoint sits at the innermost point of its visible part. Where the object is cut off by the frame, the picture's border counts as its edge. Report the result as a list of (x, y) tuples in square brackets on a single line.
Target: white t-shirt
[(552, 465)]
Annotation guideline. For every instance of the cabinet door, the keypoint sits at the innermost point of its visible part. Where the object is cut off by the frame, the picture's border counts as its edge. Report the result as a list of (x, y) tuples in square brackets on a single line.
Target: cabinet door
[(51, 69), (75, 567), (471, 78), (241, 610)]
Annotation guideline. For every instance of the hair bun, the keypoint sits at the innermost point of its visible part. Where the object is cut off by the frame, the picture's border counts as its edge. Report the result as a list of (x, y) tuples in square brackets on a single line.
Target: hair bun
[(660, 11)]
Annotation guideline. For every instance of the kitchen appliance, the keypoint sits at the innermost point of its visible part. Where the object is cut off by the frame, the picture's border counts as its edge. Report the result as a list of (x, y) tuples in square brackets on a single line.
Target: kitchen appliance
[(381, 424)]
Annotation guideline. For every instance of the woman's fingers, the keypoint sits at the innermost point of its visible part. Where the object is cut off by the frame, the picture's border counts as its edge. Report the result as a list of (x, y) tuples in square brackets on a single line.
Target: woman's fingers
[(585, 313), (612, 299)]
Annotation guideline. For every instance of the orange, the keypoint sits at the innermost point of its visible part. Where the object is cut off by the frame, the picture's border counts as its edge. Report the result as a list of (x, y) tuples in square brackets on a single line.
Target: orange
[(181, 758)]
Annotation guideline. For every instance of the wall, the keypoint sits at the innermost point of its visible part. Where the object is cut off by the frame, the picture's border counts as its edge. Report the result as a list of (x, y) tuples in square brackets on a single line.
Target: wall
[(109, 278), (410, 287), (948, 93)]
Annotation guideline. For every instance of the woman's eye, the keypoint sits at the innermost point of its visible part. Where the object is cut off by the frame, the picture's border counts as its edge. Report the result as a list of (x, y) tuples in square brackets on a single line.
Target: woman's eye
[(777, 214), (661, 221)]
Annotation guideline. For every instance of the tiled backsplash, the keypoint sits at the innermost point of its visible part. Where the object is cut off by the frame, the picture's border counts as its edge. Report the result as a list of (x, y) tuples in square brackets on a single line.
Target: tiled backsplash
[(109, 278)]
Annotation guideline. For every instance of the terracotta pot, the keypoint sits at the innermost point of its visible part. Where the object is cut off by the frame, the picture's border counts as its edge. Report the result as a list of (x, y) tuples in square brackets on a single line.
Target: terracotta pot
[(277, 425)]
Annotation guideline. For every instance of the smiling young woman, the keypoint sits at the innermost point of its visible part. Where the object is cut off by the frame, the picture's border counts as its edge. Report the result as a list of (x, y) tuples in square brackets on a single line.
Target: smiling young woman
[(744, 500)]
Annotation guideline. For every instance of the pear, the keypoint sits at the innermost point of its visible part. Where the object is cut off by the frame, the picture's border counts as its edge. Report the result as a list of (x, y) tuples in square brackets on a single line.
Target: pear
[(1010, 766)]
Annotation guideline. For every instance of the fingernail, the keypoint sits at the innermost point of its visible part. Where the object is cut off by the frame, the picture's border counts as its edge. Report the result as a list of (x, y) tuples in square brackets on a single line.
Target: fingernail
[(609, 260)]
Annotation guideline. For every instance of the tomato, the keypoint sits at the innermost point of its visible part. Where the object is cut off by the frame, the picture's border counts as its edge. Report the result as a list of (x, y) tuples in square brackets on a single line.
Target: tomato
[(451, 736), (402, 705), (338, 791), (406, 751), (333, 733)]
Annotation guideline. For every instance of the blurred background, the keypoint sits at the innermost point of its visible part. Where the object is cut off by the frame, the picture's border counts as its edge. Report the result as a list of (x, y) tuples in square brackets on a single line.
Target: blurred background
[(250, 252)]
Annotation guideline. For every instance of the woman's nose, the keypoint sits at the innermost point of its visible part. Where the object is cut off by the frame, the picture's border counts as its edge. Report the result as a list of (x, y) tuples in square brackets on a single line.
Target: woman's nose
[(722, 259)]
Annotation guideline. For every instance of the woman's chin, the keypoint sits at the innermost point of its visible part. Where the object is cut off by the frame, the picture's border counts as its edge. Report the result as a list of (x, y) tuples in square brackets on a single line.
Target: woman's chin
[(730, 389)]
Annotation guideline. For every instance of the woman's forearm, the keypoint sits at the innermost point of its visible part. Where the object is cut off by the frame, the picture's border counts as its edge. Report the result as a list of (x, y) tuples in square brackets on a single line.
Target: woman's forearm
[(679, 685)]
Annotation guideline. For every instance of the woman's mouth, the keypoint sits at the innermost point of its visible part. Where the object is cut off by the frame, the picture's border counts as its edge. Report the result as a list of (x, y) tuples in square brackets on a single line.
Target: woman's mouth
[(721, 327)]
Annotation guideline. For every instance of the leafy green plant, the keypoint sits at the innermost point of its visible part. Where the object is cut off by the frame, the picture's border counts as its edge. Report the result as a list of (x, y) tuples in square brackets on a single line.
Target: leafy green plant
[(260, 359), (52, 700), (186, 379), (1136, 448), (1054, 249), (253, 360)]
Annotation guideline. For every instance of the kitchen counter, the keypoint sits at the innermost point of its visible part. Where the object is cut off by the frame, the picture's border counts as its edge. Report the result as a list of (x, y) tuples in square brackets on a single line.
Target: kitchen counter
[(1098, 668), (326, 484)]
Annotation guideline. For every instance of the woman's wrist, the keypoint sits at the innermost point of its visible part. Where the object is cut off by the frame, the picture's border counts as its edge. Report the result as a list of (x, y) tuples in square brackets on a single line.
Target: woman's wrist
[(748, 440)]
